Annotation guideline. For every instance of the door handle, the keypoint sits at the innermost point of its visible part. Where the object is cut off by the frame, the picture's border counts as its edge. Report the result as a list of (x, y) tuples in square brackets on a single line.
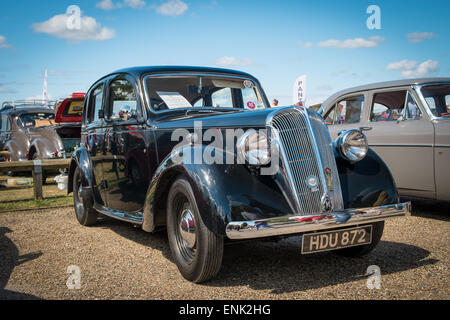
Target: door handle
[(365, 128)]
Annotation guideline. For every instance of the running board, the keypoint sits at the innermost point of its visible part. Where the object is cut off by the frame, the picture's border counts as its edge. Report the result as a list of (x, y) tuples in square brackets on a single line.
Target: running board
[(131, 217)]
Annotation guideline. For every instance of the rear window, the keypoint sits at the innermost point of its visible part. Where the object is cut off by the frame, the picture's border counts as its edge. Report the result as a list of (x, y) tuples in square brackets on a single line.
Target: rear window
[(36, 119)]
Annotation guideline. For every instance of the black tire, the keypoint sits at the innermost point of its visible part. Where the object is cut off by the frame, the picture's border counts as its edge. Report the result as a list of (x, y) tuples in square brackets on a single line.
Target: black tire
[(86, 215), (201, 260), (377, 233)]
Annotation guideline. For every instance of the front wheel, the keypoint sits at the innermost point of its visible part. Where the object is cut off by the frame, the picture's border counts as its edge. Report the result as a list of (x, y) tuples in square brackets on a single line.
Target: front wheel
[(86, 215), (377, 233), (196, 250)]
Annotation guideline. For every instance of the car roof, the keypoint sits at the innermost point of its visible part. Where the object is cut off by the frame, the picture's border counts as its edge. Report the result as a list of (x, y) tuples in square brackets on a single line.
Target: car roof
[(19, 111), (140, 71), (386, 84)]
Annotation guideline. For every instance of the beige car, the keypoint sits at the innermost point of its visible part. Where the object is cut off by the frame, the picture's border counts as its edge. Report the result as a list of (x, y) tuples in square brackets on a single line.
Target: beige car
[(407, 123)]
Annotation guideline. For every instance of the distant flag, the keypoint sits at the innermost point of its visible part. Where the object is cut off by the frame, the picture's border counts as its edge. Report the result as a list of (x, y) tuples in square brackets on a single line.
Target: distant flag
[(44, 91), (299, 93)]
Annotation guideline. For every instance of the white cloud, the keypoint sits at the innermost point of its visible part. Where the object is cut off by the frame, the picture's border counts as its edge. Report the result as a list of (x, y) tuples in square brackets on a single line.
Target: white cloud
[(3, 44), (110, 5), (417, 37), (305, 44), (4, 90), (106, 5), (232, 62), (89, 29), (372, 42), (135, 4), (172, 8), (413, 69)]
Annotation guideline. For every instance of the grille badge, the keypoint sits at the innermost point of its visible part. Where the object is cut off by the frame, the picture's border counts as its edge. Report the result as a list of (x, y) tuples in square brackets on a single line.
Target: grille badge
[(327, 204), (313, 183)]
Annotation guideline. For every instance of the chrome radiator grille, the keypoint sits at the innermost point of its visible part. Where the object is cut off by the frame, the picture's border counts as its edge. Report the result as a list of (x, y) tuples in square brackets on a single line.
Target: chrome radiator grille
[(306, 150)]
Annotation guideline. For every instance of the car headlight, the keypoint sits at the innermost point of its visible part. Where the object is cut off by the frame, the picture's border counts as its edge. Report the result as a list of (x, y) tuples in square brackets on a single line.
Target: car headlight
[(353, 145), (254, 147)]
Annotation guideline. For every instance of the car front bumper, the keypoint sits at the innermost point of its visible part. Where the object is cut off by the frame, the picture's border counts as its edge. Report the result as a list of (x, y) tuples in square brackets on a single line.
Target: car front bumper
[(287, 225)]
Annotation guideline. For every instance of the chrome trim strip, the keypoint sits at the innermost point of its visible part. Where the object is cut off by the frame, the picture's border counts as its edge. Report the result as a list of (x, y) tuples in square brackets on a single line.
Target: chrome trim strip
[(132, 217), (288, 225), (402, 145)]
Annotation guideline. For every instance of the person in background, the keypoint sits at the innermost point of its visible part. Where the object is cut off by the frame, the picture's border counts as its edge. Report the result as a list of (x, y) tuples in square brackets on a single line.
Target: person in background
[(275, 103)]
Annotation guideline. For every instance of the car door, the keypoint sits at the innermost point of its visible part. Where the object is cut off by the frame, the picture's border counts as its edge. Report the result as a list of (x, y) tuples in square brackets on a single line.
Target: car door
[(346, 114), (126, 164), (95, 135), (403, 136)]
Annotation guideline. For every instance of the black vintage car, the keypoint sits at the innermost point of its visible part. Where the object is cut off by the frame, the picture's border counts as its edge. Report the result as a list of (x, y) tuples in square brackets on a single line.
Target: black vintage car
[(200, 151)]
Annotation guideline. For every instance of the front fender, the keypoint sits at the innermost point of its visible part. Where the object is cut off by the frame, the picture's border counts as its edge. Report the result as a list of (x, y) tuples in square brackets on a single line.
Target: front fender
[(82, 160), (367, 183), (223, 193), (17, 152), (43, 147)]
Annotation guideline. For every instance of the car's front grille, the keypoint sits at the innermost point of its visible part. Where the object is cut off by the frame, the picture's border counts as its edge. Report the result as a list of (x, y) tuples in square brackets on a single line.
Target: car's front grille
[(306, 151)]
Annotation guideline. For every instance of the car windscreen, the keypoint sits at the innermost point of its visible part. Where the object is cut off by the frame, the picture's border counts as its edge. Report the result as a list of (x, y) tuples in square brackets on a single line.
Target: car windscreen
[(40, 119), (175, 92), (438, 99)]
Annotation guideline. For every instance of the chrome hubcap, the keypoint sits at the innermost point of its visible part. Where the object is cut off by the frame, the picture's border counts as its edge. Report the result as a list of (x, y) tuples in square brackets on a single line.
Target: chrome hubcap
[(187, 228)]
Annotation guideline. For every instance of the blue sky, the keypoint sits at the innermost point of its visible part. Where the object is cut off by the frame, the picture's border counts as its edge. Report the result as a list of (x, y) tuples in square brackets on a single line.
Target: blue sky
[(276, 41)]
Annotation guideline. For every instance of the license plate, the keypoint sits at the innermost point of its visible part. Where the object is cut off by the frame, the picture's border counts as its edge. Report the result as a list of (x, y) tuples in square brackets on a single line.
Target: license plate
[(338, 239)]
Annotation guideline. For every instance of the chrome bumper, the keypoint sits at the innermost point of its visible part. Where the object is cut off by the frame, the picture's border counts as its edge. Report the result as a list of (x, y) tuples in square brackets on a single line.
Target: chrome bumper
[(299, 224)]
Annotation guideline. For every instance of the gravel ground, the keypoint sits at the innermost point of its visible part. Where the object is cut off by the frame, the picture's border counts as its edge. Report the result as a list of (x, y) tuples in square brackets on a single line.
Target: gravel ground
[(118, 261)]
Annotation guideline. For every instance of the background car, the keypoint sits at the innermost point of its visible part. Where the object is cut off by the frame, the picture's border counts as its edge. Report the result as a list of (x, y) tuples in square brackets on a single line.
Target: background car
[(407, 123), (27, 132), (68, 117)]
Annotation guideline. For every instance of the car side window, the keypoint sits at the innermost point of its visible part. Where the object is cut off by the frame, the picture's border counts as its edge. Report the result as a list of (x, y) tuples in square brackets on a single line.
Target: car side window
[(393, 105), (95, 103), (123, 100), (5, 124), (222, 98), (346, 111)]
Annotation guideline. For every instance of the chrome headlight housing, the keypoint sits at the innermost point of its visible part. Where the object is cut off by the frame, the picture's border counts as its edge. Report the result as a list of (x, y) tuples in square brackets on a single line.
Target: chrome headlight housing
[(254, 147), (352, 145)]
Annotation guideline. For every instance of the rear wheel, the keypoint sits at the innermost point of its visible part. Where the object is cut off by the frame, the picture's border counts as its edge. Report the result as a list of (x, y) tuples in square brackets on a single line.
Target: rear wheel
[(196, 250), (377, 233), (86, 215)]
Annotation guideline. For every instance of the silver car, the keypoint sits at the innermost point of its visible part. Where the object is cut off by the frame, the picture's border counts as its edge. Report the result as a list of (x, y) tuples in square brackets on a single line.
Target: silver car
[(407, 123)]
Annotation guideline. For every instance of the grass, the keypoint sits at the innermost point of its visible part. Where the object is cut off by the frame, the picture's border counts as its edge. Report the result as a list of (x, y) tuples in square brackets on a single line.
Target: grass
[(32, 204), (22, 197)]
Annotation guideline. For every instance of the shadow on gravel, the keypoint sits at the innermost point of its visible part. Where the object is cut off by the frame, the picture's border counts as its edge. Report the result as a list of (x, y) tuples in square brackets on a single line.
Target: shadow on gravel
[(157, 240), (432, 209), (10, 259), (281, 268)]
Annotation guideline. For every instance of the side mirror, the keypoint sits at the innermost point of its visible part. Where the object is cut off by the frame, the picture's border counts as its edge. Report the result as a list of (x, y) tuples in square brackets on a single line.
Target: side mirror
[(101, 114)]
